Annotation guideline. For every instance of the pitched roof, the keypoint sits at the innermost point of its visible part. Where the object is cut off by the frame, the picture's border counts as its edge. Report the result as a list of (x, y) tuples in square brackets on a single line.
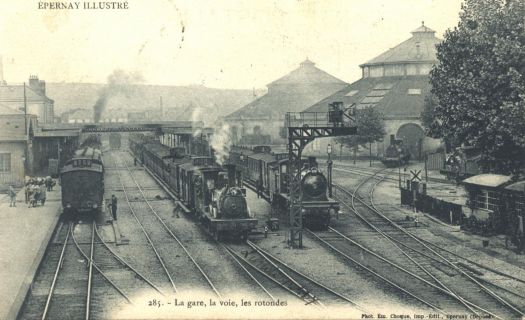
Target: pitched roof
[(420, 47), (487, 180), (307, 73), (13, 93), (394, 97), (293, 92)]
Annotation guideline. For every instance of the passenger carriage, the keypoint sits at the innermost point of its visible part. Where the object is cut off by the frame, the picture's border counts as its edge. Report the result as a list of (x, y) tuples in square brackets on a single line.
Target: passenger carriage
[(82, 181)]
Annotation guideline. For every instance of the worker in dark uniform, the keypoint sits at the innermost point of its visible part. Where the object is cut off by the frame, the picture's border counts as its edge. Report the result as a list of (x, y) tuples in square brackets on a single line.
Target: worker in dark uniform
[(113, 206), (135, 161)]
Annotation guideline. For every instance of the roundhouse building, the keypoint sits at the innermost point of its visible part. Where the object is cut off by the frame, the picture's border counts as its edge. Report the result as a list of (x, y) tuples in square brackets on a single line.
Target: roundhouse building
[(395, 83), (262, 120)]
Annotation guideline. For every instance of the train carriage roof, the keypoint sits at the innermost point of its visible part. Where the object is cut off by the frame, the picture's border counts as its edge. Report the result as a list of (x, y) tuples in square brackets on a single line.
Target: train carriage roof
[(71, 168), (267, 157), (239, 150), (158, 149), (199, 162)]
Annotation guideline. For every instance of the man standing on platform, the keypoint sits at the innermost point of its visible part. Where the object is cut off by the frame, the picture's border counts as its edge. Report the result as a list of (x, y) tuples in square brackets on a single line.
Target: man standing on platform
[(12, 196), (113, 206)]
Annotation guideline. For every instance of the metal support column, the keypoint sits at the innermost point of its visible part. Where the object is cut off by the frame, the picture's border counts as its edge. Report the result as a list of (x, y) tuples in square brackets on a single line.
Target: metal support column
[(302, 129)]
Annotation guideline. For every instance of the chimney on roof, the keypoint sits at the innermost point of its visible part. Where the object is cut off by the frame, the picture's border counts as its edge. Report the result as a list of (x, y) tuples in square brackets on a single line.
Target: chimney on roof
[(37, 85)]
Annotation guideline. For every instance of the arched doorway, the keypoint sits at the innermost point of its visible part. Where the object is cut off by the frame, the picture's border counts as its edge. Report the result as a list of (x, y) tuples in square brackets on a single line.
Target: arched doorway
[(412, 135)]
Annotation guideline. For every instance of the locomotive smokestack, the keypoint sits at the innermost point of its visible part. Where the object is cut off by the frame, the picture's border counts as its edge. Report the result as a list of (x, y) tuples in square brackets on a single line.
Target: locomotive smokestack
[(231, 174)]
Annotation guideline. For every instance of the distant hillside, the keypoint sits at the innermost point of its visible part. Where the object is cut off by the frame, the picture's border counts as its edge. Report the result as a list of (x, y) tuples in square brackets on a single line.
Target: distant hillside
[(178, 101)]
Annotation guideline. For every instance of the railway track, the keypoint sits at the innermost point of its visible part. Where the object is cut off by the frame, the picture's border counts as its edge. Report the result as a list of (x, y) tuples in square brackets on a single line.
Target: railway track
[(62, 280), (270, 273), (390, 176), (277, 281), (163, 240), (421, 259), (499, 283), (81, 277)]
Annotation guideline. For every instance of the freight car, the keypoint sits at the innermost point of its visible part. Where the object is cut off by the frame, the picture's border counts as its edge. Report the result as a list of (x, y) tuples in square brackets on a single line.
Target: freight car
[(82, 180), (211, 193), (268, 172), (396, 154)]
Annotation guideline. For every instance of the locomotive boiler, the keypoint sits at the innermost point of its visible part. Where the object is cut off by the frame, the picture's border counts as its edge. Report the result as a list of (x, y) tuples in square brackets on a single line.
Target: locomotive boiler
[(396, 154), (260, 166), (206, 190)]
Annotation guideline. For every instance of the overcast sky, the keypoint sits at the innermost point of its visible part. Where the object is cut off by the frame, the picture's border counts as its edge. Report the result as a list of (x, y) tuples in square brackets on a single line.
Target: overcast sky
[(225, 44)]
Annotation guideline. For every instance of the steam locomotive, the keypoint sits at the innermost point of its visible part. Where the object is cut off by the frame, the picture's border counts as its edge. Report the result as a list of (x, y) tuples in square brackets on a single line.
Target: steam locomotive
[(396, 154), (82, 180), (210, 192), (464, 162), (269, 172)]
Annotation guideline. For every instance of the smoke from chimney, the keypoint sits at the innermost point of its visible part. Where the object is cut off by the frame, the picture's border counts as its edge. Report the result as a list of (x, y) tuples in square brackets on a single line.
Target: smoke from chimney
[(221, 142), (119, 82)]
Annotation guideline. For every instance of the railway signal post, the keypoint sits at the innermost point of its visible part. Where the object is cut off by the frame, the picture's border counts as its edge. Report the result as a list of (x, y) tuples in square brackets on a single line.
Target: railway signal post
[(304, 127)]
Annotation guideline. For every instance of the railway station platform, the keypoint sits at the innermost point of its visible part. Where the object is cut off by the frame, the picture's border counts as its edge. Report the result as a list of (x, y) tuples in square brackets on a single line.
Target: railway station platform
[(24, 235)]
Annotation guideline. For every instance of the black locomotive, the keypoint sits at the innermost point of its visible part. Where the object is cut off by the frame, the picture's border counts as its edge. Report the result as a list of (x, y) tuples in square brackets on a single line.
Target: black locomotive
[(396, 154), (210, 192), (82, 180), (462, 163), (269, 172)]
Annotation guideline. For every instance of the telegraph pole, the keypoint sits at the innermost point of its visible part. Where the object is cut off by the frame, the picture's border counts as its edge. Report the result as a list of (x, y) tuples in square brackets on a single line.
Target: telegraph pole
[(26, 150)]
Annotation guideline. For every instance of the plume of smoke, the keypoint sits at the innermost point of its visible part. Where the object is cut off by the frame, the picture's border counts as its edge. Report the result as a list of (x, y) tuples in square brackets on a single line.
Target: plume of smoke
[(221, 142), (196, 115), (119, 82)]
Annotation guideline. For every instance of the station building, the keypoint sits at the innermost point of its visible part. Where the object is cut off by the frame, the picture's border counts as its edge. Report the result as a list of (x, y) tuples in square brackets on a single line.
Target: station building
[(262, 120), (15, 145), (395, 83)]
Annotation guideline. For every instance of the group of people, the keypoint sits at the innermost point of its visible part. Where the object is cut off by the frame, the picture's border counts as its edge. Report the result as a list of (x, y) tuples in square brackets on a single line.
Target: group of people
[(35, 190)]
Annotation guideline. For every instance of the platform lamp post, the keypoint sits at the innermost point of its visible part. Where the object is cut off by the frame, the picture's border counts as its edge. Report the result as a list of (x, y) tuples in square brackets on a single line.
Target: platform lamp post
[(329, 152)]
